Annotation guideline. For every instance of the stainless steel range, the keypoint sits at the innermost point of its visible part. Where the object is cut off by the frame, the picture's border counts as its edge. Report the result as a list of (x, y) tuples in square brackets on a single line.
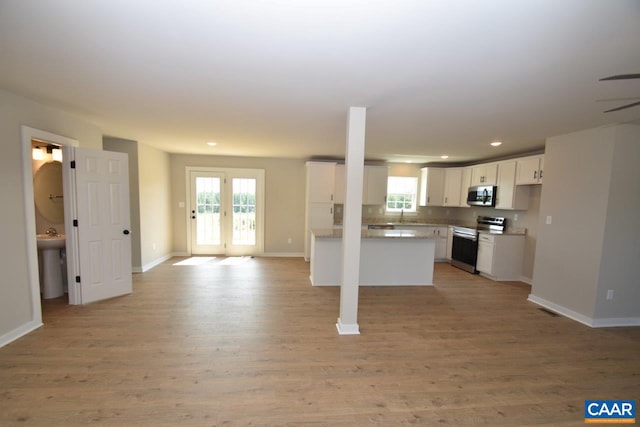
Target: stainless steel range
[(464, 252)]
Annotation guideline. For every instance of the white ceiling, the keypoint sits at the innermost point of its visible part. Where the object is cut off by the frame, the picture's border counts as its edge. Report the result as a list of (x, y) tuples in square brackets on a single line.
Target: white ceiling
[(276, 78)]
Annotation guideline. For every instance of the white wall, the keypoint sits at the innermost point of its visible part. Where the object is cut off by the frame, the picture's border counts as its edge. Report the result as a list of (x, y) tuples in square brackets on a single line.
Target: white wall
[(155, 205), (621, 245), (15, 302), (591, 192)]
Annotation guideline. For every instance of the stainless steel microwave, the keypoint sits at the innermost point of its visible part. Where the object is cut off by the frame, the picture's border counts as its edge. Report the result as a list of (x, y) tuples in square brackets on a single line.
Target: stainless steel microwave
[(482, 195)]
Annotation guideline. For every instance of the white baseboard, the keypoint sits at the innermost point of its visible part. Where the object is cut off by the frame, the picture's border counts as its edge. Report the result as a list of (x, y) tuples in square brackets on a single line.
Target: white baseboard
[(616, 321), (347, 329), (527, 280), (155, 262), (282, 254), (19, 332), (585, 320), (181, 254)]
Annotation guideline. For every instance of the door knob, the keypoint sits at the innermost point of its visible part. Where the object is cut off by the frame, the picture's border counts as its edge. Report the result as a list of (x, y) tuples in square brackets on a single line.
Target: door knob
[(126, 232)]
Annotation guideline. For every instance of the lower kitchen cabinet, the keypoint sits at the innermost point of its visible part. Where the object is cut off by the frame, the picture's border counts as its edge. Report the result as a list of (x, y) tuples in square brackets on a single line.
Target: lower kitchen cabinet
[(500, 256), (440, 235)]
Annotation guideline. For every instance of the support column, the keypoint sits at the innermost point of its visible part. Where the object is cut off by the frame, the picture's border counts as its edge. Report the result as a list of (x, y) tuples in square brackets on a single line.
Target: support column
[(352, 222)]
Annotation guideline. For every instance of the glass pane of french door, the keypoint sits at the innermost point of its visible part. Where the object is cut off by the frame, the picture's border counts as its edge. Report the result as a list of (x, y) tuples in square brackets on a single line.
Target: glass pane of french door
[(244, 211), (207, 213)]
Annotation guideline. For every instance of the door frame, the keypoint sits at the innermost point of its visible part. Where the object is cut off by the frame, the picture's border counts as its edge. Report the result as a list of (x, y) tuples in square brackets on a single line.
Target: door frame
[(229, 173), (27, 135)]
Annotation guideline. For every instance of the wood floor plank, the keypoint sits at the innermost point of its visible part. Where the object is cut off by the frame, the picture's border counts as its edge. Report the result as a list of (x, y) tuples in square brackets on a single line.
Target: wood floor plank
[(248, 341)]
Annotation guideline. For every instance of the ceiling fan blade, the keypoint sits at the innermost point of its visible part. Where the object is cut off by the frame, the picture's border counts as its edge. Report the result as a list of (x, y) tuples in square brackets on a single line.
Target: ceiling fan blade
[(623, 107), (622, 77)]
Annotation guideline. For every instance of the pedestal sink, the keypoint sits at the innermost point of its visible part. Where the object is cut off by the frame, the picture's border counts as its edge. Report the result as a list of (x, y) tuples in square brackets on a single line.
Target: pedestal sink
[(49, 246)]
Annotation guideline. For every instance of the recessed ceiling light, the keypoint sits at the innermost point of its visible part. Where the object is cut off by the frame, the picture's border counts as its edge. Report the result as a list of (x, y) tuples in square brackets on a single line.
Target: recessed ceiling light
[(444, 157), (496, 143), (212, 144)]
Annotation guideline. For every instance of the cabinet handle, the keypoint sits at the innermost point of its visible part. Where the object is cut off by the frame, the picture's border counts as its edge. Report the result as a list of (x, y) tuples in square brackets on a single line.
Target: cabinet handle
[(428, 199), (446, 199), (540, 173), (535, 174), (331, 211), (332, 197)]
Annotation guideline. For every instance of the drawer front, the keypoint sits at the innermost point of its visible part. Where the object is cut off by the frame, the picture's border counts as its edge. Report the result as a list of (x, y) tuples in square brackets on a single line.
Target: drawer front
[(487, 238)]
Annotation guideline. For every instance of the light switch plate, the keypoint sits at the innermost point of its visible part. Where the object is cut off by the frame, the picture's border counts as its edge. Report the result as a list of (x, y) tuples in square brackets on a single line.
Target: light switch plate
[(548, 219)]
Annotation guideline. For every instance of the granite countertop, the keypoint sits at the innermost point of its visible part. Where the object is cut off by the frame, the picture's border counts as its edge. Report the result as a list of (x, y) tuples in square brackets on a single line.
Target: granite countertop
[(336, 233)]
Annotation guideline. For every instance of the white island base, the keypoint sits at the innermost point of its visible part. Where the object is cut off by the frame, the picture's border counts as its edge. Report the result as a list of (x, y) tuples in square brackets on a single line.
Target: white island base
[(386, 258)]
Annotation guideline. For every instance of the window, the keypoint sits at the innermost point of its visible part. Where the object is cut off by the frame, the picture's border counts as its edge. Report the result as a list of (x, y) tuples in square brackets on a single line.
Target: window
[(402, 194)]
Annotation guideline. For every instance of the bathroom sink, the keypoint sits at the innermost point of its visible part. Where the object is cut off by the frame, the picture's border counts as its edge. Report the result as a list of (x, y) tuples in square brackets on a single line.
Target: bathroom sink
[(48, 241)]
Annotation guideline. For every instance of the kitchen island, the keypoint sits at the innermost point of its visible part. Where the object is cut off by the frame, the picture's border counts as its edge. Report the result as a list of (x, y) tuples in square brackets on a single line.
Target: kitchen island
[(387, 257)]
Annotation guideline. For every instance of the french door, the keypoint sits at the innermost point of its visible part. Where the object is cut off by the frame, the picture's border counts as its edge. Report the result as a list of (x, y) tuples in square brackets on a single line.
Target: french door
[(226, 211)]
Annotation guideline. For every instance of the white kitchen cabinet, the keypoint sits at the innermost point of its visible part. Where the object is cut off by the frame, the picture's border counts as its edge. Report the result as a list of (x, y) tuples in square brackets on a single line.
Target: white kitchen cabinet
[(510, 195), (449, 242), (452, 186), (339, 186), (485, 174), (440, 235), (320, 182), (464, 187), (375, 185), (374, 191), (500, 256), (529, 170), (432, 186), (319, 199)]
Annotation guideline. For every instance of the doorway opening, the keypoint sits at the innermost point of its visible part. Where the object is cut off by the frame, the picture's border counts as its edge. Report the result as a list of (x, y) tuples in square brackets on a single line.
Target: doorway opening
[(28, 137)]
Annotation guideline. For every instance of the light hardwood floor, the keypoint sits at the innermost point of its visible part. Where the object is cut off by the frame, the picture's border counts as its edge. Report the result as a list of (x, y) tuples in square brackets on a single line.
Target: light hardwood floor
[(250, 342)]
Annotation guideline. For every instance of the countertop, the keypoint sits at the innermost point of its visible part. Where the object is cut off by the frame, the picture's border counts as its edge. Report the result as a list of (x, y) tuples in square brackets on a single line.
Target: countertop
[(374, 234), (514, 231)]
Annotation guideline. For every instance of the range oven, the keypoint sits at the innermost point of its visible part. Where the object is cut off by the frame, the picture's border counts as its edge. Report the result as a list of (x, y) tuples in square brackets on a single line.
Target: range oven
[(464, 251)]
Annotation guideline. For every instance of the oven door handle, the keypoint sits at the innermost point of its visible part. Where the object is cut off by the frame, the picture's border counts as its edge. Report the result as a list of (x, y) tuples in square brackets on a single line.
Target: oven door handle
[(465, 236)]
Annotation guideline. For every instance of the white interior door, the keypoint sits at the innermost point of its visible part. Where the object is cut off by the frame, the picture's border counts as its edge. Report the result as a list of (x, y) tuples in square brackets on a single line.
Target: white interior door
[(104, 239)]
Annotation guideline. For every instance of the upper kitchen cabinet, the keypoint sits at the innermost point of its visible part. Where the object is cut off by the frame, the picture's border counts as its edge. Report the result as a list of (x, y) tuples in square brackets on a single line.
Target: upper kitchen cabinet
[(485, 174), (375, 185), (464, 187), (432, 186), (510, 195), (453, 187), (374, 191), (320, 182), (529, 170)]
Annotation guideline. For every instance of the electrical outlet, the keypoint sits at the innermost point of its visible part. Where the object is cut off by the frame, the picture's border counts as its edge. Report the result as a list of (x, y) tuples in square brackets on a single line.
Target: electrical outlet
[(515, 217), (289, 240), (153, 246), (369, 210), (609, 294), (548, 219), (181, 204)]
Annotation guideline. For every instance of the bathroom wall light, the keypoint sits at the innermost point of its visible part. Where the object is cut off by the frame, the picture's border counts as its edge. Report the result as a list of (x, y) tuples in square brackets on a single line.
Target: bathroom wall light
[(37, 153), (56, 154)]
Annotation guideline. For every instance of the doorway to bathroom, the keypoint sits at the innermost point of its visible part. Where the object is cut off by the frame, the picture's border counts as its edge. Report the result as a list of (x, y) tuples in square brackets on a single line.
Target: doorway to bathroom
[(95, 195)]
